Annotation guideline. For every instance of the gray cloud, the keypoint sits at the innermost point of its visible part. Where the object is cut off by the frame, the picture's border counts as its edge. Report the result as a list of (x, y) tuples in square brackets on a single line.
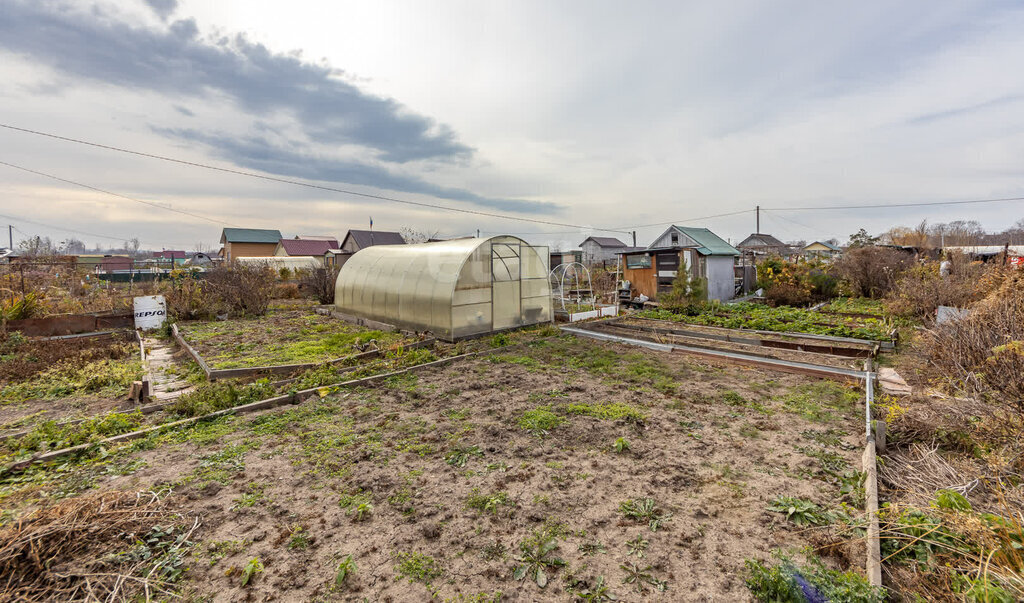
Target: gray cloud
[(178, 61), (258, 153), (163, 8), (184, 111)]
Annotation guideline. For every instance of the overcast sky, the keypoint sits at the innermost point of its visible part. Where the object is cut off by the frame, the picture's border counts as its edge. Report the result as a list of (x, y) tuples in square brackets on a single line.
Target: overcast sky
[(593, 114)]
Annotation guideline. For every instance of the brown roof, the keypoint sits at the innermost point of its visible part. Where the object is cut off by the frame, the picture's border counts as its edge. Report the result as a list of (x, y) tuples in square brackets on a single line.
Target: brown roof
[(367, 238), (295, 247), (605, 242)]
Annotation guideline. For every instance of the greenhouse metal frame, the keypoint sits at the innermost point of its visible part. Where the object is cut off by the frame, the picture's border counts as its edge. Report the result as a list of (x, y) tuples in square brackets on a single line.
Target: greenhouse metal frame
[(453, 289)]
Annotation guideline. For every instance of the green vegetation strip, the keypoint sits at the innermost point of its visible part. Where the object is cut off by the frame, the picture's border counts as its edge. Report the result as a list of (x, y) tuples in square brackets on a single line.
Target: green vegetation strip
[(745, 315)]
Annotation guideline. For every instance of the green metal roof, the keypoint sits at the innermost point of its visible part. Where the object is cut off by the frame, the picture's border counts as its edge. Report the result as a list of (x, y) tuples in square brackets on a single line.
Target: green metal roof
[(250, 235), (710, 243)]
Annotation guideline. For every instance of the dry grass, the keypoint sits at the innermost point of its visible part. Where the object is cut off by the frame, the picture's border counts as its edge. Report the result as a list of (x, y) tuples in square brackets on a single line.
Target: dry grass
[(112, 546), (982, 354)]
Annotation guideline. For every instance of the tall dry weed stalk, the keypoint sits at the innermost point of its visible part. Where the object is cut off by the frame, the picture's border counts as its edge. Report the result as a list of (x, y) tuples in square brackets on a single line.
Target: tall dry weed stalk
[(982, 354)]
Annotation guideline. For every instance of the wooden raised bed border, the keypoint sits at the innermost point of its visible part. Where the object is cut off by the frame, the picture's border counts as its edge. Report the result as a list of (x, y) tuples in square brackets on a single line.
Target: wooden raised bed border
[(280, 369), (290, 398)]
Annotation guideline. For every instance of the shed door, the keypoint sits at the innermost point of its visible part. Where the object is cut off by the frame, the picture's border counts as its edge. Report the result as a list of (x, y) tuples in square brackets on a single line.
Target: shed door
[(506, 293)]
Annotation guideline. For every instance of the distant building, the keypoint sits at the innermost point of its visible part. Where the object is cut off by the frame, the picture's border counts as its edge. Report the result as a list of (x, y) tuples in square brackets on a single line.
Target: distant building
[(821, 249), (170, 256), (361, 239), (566, 257), (698, 251), (248, 242), (760, 244), (6, 255), (305, 247), (110, 263), (600, 249)]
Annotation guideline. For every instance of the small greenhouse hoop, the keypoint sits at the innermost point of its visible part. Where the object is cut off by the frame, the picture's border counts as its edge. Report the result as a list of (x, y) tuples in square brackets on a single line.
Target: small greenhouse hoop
[(559, 280)]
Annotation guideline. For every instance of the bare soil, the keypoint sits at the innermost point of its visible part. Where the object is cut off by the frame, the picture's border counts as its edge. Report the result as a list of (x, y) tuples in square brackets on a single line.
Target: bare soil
[(716, 445)]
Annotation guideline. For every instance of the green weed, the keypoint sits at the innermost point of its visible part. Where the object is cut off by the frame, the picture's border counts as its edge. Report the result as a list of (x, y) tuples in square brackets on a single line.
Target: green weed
[(488, 503), (540, 420), (418, 567), (645, 510), (783, 582), (613, 411), (621, 445)]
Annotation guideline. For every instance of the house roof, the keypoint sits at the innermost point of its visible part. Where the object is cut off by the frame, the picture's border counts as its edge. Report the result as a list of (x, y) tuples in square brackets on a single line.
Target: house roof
[(709, 243), (170, 254), (761, 240), (631, 250), (367, 238), (826, 244), (308, 246), (249, 235), (605, 242)]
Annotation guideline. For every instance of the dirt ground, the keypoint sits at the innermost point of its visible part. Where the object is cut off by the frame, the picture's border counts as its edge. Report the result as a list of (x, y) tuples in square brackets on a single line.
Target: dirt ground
[(712, 446)]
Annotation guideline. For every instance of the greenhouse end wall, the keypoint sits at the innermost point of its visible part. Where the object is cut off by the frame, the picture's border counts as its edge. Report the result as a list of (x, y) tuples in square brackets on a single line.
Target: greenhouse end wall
[(454, 289)]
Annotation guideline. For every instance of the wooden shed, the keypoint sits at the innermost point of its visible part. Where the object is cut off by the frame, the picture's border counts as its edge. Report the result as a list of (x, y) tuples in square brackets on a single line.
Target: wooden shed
[(700, 252)]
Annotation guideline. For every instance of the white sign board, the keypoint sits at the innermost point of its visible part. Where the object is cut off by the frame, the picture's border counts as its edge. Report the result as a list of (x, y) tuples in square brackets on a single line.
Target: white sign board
[(150, 312)]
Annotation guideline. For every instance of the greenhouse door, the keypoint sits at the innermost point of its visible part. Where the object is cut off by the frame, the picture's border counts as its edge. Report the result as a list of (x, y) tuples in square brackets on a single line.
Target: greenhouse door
[(506, 288)]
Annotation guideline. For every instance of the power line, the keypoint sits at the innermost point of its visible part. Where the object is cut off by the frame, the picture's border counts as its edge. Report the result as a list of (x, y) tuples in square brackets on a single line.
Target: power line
[(884, 205), (61, 228), (732, 213), (788, 220), (296, 182), (106, 192)]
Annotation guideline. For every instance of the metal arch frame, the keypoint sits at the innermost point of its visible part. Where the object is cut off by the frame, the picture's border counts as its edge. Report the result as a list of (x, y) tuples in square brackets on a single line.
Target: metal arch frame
[(561, 281)]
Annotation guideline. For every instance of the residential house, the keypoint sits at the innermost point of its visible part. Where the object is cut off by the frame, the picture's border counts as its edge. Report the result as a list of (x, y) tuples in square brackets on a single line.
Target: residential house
[(170, 256), (110, 263), (7, 254), (698, 251), (600, 249), (305, 246), (248, 242), (821, 249), (360, 239), (760, 244)]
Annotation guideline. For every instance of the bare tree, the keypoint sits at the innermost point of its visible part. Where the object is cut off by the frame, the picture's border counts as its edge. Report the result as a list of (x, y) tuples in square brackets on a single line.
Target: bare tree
[(413, 235)]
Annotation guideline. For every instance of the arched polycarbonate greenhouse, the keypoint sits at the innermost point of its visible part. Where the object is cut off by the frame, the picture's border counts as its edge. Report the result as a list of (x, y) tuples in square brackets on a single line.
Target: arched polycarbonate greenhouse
[(453, 289)]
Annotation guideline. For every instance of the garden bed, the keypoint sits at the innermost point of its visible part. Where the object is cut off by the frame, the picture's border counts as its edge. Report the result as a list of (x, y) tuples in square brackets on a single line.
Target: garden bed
[(58, 379), (746, 315), (281, 337), (646, 474)]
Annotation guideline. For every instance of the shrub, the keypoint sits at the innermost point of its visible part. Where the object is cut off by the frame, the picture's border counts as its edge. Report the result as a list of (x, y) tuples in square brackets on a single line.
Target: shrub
[(871, 271), (921, 290), (795, 283), (190, 298), (321, 283), (286, 291), (245, 289), (982, 354), (688, 295)]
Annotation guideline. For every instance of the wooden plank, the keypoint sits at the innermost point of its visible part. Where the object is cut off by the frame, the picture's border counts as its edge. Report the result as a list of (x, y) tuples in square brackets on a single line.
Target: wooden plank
[(758, 341), (873, 538), (191, 352)]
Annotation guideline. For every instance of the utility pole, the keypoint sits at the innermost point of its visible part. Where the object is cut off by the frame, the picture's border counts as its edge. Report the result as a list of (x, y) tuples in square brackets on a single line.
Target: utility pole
[(478, 233), (634, 238), (758, 231), (10, 237)]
